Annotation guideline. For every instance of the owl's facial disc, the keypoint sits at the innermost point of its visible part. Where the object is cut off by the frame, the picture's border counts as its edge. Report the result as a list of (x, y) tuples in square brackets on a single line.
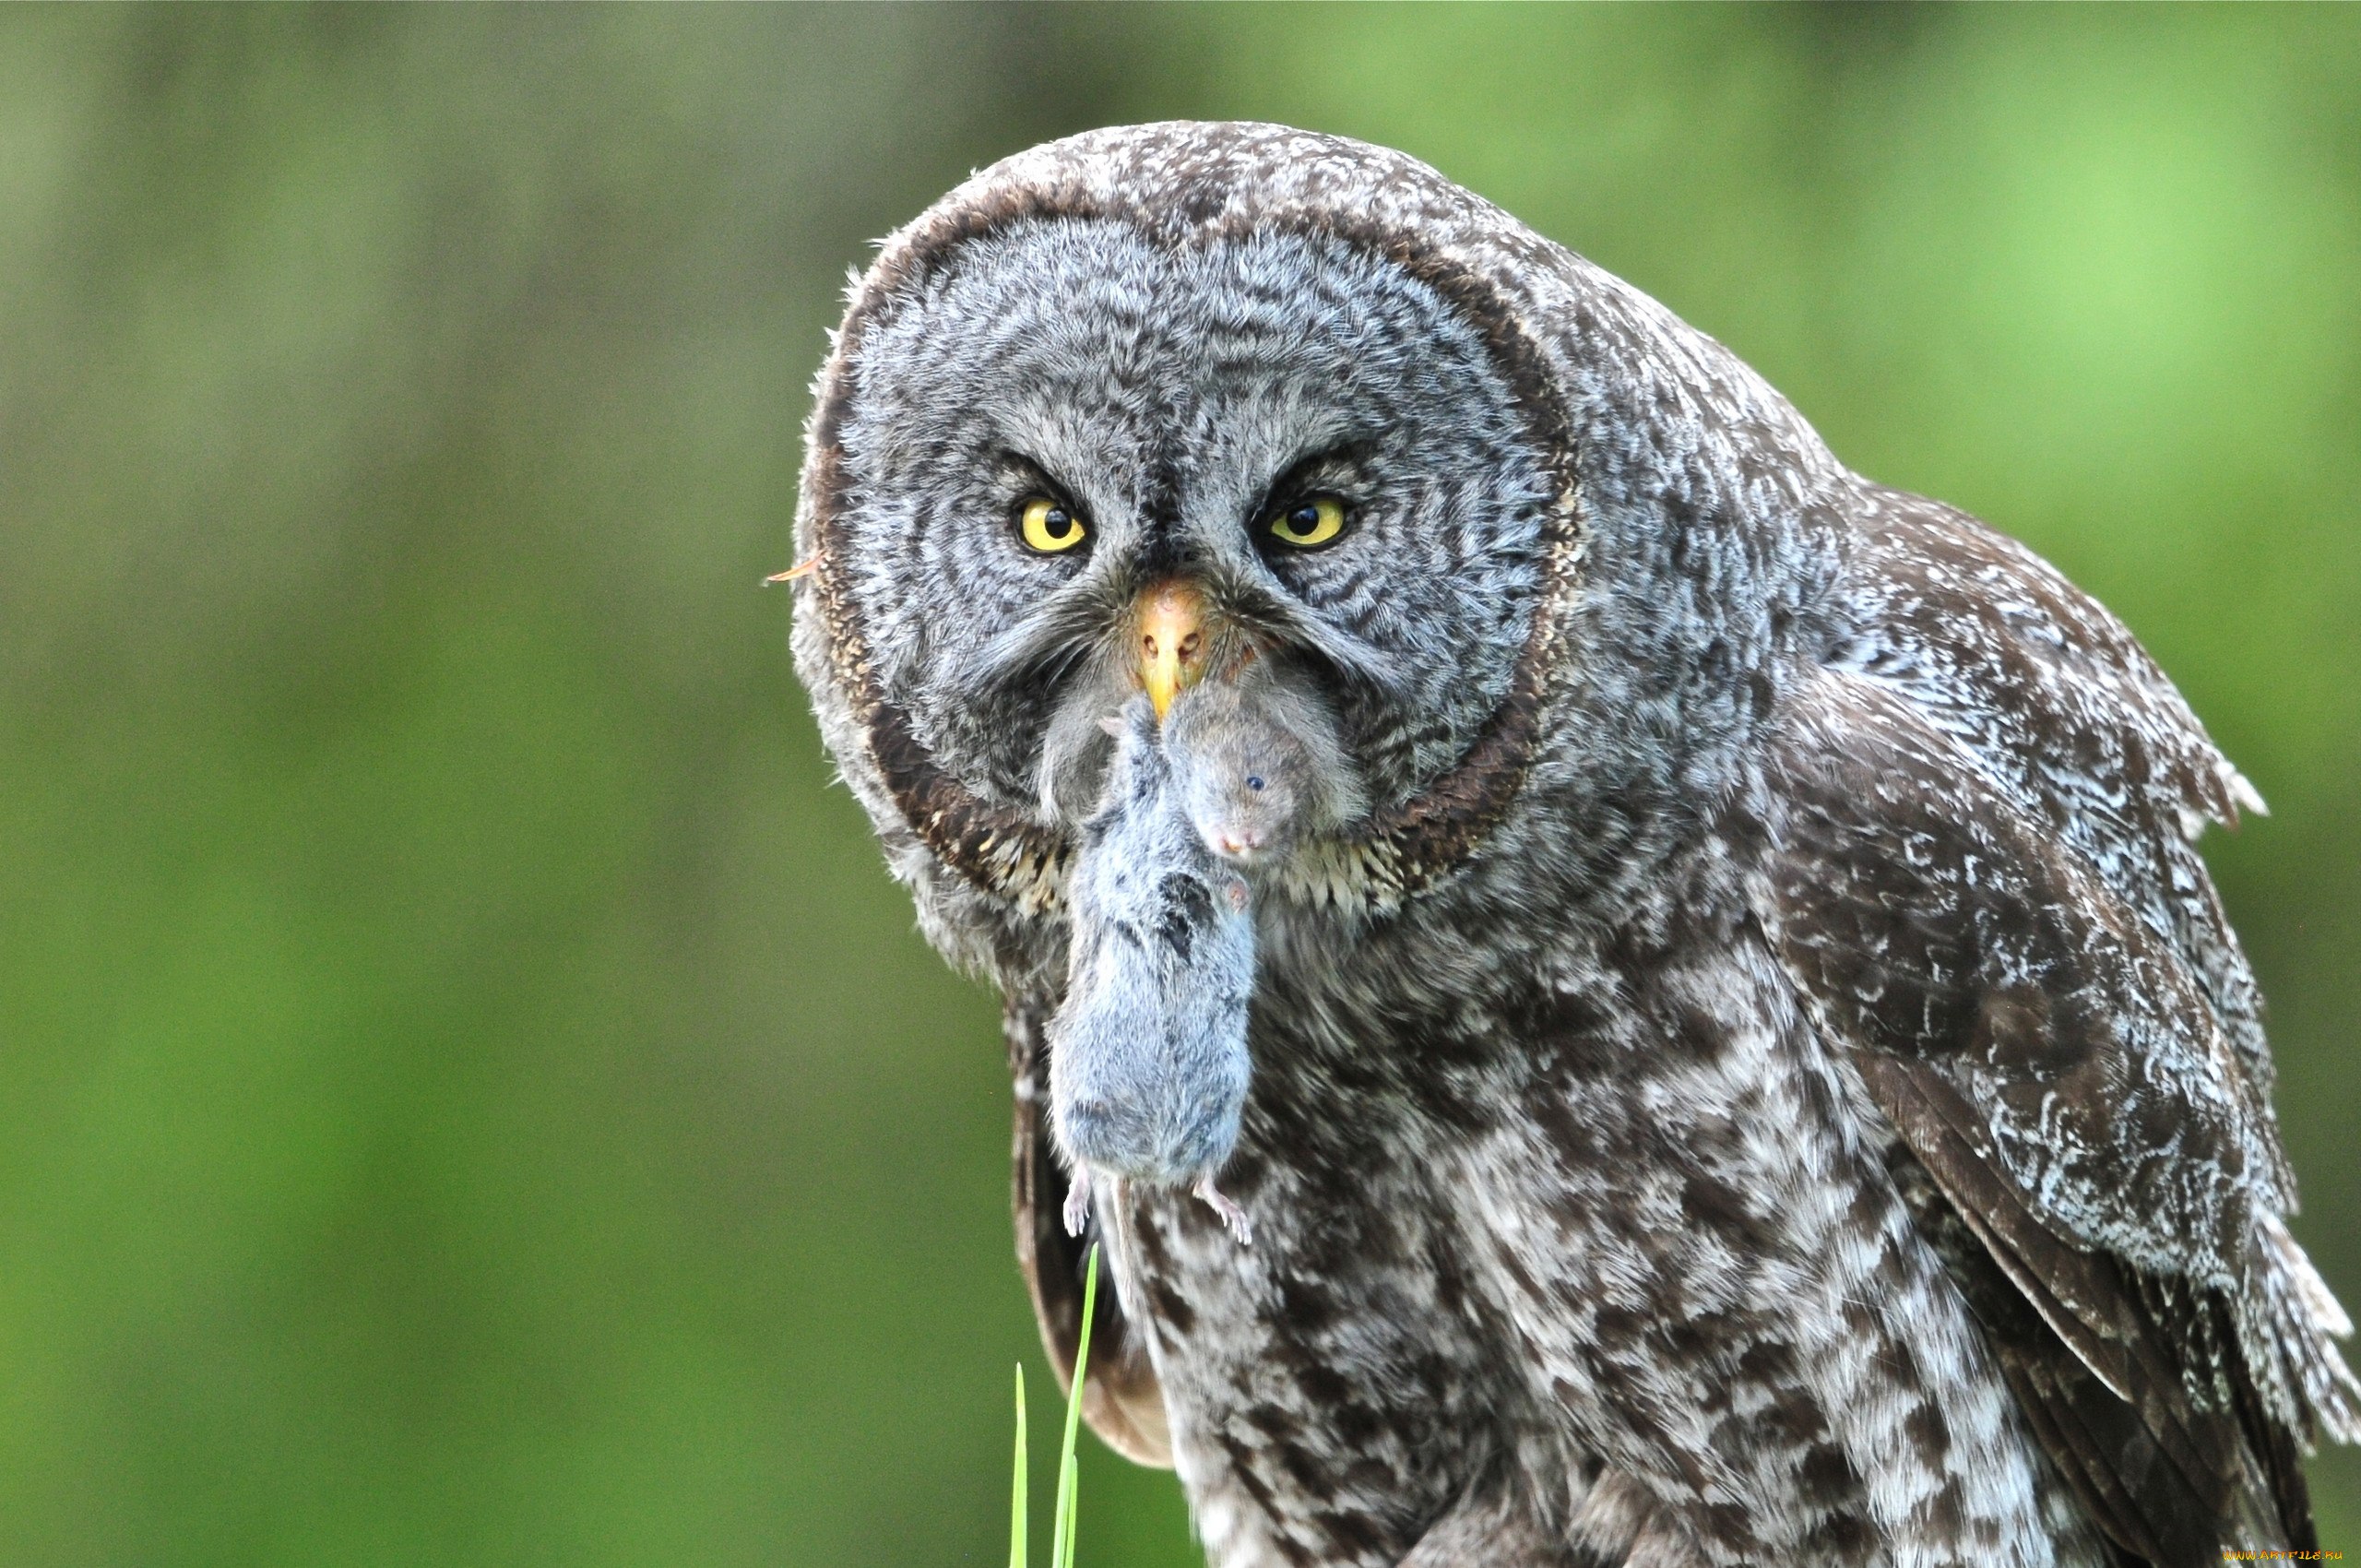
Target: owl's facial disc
[(1079, 462)]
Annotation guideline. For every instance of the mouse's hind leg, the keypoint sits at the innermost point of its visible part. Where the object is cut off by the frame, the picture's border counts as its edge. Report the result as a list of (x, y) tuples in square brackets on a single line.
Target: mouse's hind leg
[(1231, 1215)]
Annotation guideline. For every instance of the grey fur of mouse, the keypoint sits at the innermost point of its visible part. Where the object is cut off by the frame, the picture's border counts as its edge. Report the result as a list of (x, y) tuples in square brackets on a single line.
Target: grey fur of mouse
[(1148, 1063), (1259, 765)]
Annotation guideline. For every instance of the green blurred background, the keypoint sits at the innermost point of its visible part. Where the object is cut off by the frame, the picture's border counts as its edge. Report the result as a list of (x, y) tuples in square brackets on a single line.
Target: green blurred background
[(469, 1093)]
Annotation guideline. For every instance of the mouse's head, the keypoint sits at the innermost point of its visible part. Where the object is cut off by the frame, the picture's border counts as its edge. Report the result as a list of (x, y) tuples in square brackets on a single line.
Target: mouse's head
[(1252, 780), (1249, 799)]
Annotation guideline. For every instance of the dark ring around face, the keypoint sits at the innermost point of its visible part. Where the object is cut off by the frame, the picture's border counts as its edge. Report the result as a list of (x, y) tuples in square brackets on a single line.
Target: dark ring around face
[(999, 848)]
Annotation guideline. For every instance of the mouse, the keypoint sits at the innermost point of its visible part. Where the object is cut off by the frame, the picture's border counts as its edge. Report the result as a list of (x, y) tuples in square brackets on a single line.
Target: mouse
[(1148, 1059)]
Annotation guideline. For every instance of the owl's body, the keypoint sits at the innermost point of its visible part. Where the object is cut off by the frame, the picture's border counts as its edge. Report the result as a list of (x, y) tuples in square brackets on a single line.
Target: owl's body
[(1148, 1063), (1758, 1075)]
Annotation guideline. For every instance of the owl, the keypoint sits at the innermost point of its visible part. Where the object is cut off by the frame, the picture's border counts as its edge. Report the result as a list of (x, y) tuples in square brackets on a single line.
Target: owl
[(1755, 1070)]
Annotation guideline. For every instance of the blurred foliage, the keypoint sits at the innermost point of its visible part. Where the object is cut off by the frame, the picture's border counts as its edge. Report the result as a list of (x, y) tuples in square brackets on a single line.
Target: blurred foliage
[(469, 1093)]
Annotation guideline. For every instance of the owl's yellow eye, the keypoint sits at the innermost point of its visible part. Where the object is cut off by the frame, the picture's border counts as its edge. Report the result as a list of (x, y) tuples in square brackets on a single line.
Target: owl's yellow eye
[(1308, 524), (1050, 525)]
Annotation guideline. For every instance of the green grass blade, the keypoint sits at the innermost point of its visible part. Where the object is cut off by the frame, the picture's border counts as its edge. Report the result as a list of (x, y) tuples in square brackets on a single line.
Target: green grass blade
[(1016, 1490), (1061, 1525)]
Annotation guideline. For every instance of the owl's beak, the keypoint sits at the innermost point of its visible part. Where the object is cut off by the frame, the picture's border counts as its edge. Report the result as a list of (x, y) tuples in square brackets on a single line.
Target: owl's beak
[(1171, 641)]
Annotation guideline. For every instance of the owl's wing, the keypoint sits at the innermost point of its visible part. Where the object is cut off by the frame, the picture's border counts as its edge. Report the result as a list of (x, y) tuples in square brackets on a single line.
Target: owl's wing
[(1121, 1398), (1982, 882)]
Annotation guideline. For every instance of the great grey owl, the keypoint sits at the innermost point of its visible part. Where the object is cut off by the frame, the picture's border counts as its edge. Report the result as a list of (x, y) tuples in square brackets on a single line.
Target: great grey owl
[(1760, 1075)]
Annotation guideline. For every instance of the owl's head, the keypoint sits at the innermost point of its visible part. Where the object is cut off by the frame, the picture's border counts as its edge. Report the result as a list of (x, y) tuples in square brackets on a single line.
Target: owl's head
[(1133, 410), (1080, 459)]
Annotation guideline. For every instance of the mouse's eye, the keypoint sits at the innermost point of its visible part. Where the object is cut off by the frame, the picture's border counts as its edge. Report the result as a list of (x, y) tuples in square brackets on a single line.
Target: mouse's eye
[(1254, 781)]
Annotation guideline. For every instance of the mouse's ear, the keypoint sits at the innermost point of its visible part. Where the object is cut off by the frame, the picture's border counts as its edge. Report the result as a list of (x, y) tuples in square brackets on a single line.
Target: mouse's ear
[(1113, 725)]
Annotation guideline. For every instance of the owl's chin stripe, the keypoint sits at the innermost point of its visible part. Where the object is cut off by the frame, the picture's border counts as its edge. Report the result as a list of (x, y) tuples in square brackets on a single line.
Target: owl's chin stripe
[(1003, 849)]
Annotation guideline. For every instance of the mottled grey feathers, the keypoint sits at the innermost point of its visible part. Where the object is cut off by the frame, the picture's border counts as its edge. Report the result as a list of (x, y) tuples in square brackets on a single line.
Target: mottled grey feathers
[(1746, 1062)]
